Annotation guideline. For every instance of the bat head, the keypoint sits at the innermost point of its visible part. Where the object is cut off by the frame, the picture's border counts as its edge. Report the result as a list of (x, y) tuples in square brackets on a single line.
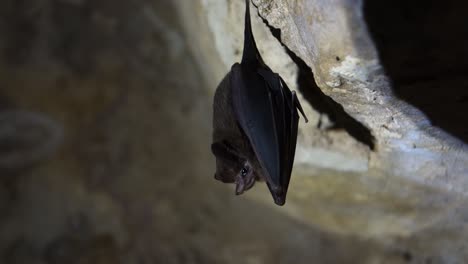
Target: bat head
[(234, 167)]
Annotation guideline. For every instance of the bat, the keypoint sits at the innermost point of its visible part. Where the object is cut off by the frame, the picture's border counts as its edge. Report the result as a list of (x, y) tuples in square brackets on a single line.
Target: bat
[(255, 122)]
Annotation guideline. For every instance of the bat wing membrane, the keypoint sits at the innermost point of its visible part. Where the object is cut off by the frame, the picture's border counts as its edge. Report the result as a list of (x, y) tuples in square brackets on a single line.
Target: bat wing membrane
[(292, 120), (254, 110), (286, 116), (266, 112)]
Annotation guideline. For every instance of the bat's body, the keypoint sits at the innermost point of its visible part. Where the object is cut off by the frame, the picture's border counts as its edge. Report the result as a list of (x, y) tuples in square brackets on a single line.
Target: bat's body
[(255, 124)]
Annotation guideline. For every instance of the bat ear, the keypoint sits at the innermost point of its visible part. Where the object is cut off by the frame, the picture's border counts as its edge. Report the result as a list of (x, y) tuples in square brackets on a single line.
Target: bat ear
[(217, 149), (224, 179)]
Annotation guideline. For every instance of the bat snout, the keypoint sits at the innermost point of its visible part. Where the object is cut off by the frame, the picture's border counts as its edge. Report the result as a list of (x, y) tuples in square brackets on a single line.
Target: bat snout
[(240, 188)]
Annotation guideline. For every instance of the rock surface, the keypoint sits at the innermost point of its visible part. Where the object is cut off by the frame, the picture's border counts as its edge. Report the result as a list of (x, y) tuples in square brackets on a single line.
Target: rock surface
[(417, 172), (131, 84)]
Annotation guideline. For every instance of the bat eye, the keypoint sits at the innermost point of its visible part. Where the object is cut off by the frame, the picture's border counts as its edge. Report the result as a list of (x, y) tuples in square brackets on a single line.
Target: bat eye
[(244, 171)]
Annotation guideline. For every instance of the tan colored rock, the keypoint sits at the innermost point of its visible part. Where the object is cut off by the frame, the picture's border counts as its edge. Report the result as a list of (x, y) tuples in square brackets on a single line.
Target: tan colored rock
[(416, 179)]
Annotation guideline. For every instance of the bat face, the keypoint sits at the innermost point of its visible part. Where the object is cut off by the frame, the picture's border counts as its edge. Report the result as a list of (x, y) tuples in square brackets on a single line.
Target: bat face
[(234, 167), (255, 121)]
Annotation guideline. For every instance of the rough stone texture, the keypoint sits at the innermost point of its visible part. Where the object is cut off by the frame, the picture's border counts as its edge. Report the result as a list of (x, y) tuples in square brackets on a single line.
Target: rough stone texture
[(125, 88), (331, 37), (416, 179)]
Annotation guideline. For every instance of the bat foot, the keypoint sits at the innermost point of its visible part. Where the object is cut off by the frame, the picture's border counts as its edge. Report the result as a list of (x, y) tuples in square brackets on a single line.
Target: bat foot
[(298, 105)]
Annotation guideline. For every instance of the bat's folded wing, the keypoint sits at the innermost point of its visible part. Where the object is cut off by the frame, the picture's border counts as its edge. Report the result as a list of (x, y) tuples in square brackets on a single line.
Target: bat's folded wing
[(286, 118), (268, 117), (253, 108)]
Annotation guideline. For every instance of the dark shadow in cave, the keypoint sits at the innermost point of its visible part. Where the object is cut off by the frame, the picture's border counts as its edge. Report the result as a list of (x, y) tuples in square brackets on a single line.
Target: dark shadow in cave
[(321, 102), (423, 46)]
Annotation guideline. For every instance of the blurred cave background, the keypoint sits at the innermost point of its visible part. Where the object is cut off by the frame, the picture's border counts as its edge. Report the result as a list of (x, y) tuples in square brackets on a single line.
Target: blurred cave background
[(105, 133)]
